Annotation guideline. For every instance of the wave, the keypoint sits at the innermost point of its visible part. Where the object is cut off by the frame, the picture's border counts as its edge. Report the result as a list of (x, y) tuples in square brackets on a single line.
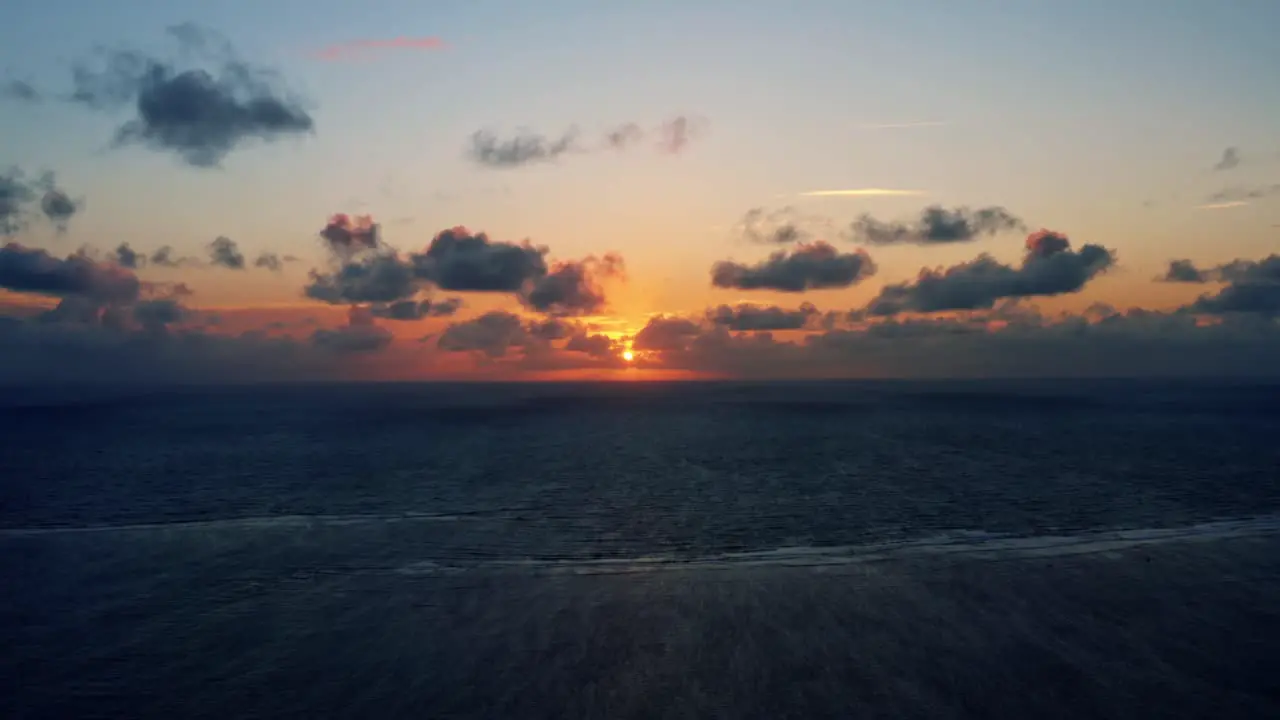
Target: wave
[(265, 522), (965, 544)]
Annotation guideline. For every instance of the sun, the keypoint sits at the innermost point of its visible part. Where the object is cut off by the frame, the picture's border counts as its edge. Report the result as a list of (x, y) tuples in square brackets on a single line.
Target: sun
[(628, 355)]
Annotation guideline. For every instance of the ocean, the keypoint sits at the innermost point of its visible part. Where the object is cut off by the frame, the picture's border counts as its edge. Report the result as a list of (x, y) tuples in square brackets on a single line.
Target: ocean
[(1050, 549)]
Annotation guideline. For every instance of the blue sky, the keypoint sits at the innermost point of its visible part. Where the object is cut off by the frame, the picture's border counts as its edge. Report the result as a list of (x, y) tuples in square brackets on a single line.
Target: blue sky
[(1099, 119)]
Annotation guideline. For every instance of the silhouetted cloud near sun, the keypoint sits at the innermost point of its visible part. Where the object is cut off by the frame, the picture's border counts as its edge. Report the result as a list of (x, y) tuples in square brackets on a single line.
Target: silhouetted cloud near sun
[(202, 112), (811, 266), (936, 225), (747, 317)]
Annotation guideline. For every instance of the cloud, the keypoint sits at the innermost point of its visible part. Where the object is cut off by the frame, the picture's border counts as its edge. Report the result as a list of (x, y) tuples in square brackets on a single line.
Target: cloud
[(1184, 271), (359, 335), (1234, 197), (488, 150), (574, 287), (126, 256), (273, 262), (1230, 159), (378, 278), (164, 257), (28, 270), (664, 333), (359, 48), (747, 317), (200, 115), (594, 345), (18, 196), (346, 235), (461, 261), (527, 147), (224, 252), (21, 90), (1049, 267), (809, 266), (782, 226), (864, 192), (408, 310), (491, 334), (936, 225)]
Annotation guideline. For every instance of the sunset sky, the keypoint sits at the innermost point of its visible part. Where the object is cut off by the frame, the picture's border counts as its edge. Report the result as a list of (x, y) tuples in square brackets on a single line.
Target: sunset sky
[(661, 153)]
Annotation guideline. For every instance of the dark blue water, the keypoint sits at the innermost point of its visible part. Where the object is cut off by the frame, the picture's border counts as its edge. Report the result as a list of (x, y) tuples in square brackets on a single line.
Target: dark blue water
[(687, 550)]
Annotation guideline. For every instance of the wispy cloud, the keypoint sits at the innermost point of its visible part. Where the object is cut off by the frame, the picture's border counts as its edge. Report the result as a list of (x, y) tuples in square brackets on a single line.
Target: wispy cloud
[(1222, 205), (363, 48), (903, 126), (864, 192)]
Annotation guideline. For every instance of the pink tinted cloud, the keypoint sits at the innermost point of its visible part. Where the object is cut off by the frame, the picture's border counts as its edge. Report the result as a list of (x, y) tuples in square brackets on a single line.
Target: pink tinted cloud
[(364, 48)]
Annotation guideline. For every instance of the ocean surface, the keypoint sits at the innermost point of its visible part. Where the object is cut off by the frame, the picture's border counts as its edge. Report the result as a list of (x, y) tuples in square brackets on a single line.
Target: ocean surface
[(807, 550)]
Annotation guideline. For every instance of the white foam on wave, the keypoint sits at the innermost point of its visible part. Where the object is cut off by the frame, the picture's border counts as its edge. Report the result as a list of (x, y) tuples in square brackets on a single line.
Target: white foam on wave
[(965, 544)]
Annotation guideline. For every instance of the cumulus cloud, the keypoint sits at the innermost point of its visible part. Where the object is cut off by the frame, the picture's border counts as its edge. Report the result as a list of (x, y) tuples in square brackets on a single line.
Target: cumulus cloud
[(936, 225), (1252, 286), (273, 262), (461, 261), (224, 252), (201, 115), (1049, 267), (1230, 159), (346, 235), (19, 196), (20, 90), (378, 278), (811, 266), (29, 270), (126, 256), (491, 334), (748, 317), (574, 287), (664, 333)]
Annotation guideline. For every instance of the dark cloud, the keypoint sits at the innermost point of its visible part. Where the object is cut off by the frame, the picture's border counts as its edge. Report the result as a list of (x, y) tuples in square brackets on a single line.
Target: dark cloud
[(359, 335), (20, 90), (224, 252), (814, 266), (1049, 267), (775, 227), (1136, 343), (666, 333), (202, 115), (164, 257), (574, 288), (594, 345), (458, 260), (269, 261), (552, 329), (488, 150), (1252, 287), (157, 315), (1230, 159), (747, 317), (417, 310), (126, 256), (346, 235), (378, 278), (18, 196), (936, 225), (1184, 271), (1243, 194), (491, 334), (29, 270)]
